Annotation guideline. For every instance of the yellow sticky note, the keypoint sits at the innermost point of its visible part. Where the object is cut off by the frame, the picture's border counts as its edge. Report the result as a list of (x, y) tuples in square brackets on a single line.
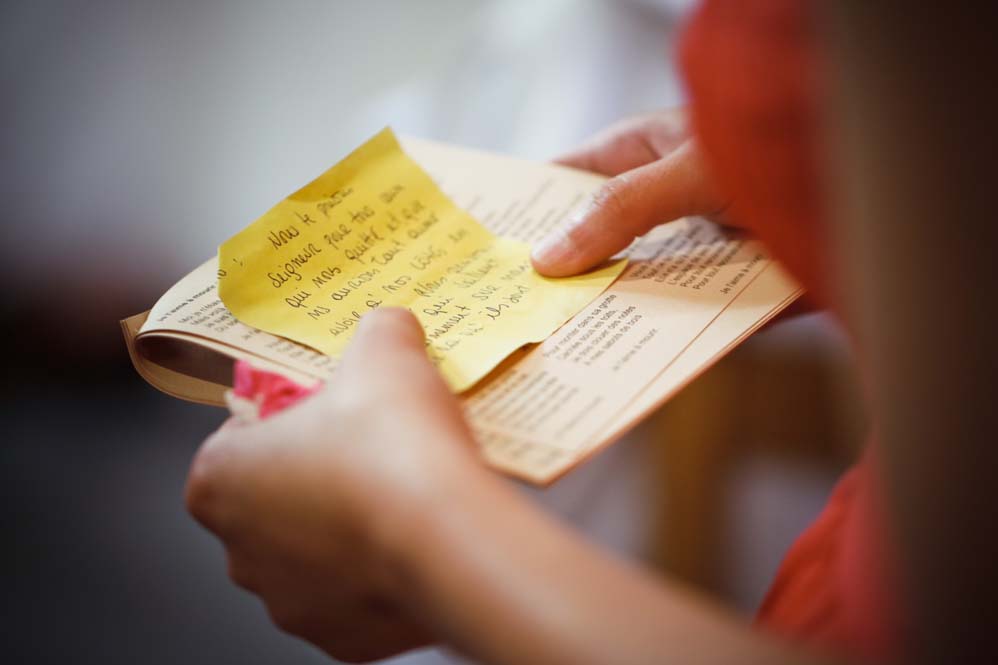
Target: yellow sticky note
[(375, 230)]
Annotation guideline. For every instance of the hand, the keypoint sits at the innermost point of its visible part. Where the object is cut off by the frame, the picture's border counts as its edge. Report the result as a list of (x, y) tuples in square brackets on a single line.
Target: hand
[(370, 535), (659, 176), (315, 504)]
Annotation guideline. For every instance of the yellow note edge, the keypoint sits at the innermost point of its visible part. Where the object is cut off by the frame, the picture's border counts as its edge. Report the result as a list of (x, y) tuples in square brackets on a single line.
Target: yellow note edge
[(374, 231)]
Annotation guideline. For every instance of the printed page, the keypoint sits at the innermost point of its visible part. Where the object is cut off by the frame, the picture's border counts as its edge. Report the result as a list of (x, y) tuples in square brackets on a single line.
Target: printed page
[(752, 309), (550, 406), (541, 413), (192, 307)]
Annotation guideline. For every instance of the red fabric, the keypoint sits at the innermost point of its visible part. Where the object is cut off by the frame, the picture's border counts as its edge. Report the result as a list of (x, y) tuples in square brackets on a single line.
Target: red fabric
[(832, 588), (755, 84)]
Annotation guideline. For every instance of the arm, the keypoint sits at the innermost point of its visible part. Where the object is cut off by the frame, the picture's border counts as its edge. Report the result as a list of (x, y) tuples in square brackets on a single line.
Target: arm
[(504, 583), (369, 535)]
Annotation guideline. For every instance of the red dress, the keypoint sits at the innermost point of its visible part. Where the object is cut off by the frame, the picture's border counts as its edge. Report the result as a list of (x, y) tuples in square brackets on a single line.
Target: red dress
[(754, 77)]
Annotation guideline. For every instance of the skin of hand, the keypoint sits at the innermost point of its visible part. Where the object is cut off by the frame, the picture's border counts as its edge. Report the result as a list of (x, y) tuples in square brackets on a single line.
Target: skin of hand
[(365, 521), (311, 503), (657, 175)]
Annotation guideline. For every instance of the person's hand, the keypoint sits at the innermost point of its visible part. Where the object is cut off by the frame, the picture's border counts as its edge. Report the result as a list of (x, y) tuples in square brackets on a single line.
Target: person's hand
[(314, 504), (659, 176)]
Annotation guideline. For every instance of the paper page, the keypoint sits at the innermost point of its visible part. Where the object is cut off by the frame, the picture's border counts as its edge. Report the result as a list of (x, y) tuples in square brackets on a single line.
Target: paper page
[(606, 366), (512, 197), (545, 410), (554, 405), (747, 313), (751, 310), (192, 306), (375, 230)]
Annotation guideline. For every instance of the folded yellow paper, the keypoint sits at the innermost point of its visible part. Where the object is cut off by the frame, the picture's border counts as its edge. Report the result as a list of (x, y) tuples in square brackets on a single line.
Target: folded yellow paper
[(375, 230)]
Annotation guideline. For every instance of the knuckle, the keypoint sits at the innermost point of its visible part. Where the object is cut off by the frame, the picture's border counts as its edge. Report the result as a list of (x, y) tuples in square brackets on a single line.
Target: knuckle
[(608, 205), (611, 198), (375, 640), (241, 573), (362, 653), (197, 495), (286, 618), (201, 491)]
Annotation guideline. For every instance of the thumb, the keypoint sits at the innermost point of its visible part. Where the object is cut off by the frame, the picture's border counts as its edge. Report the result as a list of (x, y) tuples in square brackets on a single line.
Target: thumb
[(626, 207), (385, 337), (389, 348), (386, 360)]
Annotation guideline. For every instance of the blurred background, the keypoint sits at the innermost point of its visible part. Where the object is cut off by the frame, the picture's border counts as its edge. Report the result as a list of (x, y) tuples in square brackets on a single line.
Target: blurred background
[(138, 135)]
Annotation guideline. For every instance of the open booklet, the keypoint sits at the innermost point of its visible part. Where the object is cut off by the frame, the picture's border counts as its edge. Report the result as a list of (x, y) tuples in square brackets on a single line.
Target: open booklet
[(691, 293)]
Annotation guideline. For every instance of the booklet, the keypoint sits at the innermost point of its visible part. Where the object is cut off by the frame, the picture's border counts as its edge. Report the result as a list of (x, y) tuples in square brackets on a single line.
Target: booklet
[(552, 383)]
